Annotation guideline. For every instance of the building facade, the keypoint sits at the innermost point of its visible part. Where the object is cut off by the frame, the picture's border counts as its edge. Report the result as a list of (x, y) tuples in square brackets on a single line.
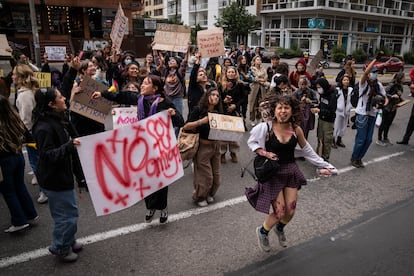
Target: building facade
[(353, 24)]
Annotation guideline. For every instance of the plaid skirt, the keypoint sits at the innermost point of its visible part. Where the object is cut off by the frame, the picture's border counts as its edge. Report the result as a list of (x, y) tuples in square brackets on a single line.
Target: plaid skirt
[(263, 194)]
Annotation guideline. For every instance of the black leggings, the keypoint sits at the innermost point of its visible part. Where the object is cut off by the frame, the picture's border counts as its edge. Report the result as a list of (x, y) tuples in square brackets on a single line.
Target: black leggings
[(387, 119)]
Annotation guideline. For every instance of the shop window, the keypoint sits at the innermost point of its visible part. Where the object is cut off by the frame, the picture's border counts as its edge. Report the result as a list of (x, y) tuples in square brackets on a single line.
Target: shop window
[(58, 20), (76, 22)]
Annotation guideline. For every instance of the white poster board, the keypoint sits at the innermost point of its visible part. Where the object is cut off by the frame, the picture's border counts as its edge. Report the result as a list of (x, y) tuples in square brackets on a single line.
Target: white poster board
[(55, 53), (125, 165), (124, 116)]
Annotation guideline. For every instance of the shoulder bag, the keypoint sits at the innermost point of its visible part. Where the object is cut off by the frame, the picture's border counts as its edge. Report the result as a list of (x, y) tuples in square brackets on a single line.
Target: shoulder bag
[(188, 144)]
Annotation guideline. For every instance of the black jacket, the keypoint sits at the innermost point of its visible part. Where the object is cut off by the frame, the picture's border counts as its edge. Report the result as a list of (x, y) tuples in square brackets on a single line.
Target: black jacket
[(54, 169), (327, 106)]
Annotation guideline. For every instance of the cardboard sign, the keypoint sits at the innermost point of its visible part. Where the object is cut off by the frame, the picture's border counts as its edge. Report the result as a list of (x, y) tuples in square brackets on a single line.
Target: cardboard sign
[(225, 128), (44, 78), (4, 44), (211, 42), (315, 62), (170, 37), (119, 28), (82, 103), (125, 165), (124, 116), (55, 53)]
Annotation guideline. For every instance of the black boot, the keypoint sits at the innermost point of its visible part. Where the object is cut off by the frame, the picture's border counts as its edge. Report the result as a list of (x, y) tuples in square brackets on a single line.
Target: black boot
[(334, 144), (339, 142)]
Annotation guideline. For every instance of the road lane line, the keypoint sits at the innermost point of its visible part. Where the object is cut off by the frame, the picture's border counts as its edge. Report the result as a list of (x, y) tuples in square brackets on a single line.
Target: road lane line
[(41, 252)]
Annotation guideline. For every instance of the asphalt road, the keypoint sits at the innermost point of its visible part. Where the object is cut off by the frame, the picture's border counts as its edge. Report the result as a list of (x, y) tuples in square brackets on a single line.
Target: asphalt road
[(367, 212)]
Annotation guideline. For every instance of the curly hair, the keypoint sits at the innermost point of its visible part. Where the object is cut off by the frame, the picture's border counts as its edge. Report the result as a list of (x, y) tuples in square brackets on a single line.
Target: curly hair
[(292, 101)]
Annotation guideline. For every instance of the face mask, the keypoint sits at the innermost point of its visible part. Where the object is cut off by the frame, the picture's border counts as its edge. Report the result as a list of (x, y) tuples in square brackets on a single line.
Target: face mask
[(373, 76), (127, 61), (320, 90)]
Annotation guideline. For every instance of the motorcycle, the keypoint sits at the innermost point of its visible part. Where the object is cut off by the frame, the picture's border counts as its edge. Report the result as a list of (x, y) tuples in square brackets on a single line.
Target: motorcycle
[(324, 63)]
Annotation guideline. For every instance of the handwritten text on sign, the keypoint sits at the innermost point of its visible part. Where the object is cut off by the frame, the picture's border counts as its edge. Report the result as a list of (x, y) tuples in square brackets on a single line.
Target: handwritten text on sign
[(211, 42), (125, 165), (82, 103), (170, 37), (123, 116), (119, 28)]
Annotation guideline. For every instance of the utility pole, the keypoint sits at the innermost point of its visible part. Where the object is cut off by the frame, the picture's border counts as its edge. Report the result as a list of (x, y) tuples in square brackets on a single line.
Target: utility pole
[(35, 33), (176, 11)]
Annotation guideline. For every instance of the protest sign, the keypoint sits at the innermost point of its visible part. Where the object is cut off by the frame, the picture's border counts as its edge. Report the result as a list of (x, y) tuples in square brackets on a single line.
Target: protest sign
[(211, 42), (123, 116), (315, 62), (225, 128), (4, 44), (119, 28), (55, 53), (170, 37), (44, 79), (82, 103), (125, 165)]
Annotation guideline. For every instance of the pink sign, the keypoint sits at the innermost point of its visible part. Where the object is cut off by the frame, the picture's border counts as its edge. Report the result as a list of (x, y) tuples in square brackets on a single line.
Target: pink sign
[(125, 165)]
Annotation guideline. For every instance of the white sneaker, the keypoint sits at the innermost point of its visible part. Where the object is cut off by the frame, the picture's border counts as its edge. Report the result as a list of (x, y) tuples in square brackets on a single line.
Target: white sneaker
[(34, 180), (42, 198), (13, 228), (210, 199), (202, 203), (380, 143)]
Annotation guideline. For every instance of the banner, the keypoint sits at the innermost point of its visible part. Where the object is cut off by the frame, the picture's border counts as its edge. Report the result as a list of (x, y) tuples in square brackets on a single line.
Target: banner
[(225, 127), (211, 42), (125, 165), (82, 103), (169, 37), (55, 53), (119, 28), (123, 116), (44, 78)]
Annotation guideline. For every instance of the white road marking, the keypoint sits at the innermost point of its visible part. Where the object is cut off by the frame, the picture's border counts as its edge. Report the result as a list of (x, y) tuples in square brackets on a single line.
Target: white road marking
[(41, 252)]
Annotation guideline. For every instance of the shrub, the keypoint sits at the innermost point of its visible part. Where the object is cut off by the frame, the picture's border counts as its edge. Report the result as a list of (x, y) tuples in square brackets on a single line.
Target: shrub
[(409, 58), (338, 53), (291, 52), (359, 55)]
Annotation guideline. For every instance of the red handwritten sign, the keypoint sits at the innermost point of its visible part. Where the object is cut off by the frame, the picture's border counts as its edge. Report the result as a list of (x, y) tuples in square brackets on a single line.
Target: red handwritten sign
[(211, 42), (125, 165)]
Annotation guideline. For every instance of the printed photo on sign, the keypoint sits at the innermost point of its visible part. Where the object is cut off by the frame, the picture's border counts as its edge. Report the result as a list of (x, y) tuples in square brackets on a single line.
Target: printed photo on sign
[(125, 165)]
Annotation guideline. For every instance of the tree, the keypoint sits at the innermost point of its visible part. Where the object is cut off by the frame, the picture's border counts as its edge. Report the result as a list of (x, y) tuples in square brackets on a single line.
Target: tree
[(236, 21)]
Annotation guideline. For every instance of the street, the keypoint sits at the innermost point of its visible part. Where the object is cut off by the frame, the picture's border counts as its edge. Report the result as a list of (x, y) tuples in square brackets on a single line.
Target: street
[(336, 222)]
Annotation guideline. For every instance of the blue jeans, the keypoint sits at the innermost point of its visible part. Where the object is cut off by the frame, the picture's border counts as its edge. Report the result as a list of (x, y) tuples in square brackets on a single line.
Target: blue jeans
[(14, 190), (179, 106), (64, 211), (33, 155), (363, 138)]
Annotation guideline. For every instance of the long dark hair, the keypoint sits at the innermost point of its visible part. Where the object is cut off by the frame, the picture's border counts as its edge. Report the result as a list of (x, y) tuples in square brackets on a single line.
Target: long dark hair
[(203, 104), (43, 97), (11, 127)]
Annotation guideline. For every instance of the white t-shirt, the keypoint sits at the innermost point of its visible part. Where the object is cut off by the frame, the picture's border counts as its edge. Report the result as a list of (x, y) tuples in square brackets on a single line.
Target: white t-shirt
[(361, 107)]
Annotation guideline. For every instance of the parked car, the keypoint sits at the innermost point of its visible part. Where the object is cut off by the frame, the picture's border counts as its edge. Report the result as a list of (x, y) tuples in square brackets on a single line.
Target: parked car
[(388, 64), (267, 54)]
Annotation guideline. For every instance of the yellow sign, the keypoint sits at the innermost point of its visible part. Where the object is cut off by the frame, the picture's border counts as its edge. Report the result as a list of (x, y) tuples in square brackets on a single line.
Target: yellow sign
[(225, 127), (44, 78), (1, 73)]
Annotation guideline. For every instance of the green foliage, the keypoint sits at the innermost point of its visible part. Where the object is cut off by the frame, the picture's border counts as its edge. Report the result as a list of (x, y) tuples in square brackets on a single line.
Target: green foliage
[(338, 53), (236, 21), (359, 55), (387, 51), (194, 33), (293, 51), (409, 58)]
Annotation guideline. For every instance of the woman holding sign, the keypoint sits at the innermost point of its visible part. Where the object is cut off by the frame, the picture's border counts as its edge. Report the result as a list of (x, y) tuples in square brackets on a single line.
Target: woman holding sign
[(151, 100), (207, 159)]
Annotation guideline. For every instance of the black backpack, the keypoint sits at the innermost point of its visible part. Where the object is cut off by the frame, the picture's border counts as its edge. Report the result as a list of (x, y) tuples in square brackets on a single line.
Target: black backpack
[(355, 95)]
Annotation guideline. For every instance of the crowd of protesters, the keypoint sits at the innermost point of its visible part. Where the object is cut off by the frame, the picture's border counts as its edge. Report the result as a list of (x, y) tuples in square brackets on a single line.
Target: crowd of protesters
[(239, 86)]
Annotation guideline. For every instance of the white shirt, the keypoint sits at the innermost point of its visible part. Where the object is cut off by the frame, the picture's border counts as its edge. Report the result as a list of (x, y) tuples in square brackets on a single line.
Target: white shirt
[(361, 107)]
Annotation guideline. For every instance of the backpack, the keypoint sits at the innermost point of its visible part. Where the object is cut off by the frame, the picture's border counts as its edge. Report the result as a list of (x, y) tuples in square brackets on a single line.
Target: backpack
[(355, 95)]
